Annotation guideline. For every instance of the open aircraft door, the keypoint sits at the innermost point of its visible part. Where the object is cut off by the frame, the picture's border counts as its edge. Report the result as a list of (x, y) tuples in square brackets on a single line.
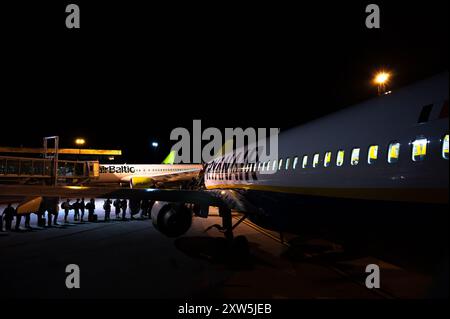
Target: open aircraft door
[(94, 169)]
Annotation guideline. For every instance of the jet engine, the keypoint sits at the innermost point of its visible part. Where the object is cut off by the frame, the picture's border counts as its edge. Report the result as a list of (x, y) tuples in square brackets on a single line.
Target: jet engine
[(171, 219)]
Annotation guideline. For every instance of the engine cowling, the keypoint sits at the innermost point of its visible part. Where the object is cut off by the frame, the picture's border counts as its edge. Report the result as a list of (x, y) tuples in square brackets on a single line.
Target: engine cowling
[(141, 182), (171, 219)]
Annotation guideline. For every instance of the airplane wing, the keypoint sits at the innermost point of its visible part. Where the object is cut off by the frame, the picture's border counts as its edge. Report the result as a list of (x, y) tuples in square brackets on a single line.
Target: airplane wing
[(168, 195), (220, 198)]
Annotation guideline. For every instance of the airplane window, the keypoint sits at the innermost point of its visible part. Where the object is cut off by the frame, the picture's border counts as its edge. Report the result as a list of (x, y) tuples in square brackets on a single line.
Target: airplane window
[(355, 156), (259, 167), (280, 164), (445, 147), (419, 150), (393, 152), (372, 155), (305, 161), (315, 160), (274, 165), (254, 167), (268, 166), (287, 163), (294, 165), (340, 158), (327, 160)]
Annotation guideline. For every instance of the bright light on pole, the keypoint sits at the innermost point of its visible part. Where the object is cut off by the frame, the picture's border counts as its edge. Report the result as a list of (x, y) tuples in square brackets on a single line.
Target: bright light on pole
[(381, 79), (155, 144), (80, 141)]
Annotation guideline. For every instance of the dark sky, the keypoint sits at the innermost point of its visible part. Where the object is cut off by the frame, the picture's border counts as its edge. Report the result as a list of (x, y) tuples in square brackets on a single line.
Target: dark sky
[(133, 72)]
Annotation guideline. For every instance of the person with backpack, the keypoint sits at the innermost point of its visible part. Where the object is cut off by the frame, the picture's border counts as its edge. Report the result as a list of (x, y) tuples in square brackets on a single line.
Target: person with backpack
[(91, 210)]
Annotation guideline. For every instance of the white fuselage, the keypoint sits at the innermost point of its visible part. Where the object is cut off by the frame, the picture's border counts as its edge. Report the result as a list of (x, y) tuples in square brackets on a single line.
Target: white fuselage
[(415, 113)]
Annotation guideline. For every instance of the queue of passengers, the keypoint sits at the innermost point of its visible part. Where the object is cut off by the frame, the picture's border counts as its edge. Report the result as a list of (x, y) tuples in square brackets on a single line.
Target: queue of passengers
[(79, 208)]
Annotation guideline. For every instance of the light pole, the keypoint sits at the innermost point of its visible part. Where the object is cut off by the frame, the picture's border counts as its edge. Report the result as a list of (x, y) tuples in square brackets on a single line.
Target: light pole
[(381, 79), (79, 142)]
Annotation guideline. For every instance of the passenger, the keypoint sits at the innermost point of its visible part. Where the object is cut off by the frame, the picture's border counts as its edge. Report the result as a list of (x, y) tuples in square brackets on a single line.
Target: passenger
[(27, 221), (18, 220), (144, 208), (107, 208), (117, 207), (8, 216), (76, 209), (135, 207), (82, 207), (91, 210), (124, 206), (66, 206), (54, 209)]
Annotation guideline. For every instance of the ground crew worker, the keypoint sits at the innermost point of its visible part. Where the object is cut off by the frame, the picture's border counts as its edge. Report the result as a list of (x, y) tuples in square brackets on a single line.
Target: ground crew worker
[(8, 215), (76, 209), (66, 206), (82, 207), (124, 206), (107, 208), (117, 207)]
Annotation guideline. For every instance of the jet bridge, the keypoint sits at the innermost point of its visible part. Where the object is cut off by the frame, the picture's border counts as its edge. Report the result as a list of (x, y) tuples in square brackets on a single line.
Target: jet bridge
[(24, 170)]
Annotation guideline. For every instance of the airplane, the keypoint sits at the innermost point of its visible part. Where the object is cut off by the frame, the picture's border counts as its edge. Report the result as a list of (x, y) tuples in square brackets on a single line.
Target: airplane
[(148, 175), (384, 161)]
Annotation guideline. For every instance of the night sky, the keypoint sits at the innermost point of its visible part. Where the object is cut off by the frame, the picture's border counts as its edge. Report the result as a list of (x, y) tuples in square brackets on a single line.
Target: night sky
[(134, 72)]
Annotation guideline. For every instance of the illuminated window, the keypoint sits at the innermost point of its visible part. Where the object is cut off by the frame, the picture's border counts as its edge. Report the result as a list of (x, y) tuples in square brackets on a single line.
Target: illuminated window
[(259, 167), (280, 164), (419, 149), (305, 161), (393, 153), (340, 158), (294, 165), (268, 166), (372, 155), (445, 147), (315, 160), (274, 165), (327, 159), (288, 160), (355, 156)]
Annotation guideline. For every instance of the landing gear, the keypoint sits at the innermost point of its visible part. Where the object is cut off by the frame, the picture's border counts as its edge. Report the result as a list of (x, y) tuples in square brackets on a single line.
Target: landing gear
[(235, 247)]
